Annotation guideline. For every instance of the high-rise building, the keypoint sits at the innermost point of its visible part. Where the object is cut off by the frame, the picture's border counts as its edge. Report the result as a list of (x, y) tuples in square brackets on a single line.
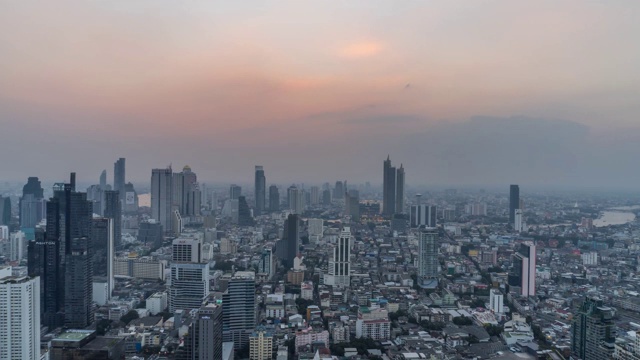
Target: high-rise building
[(235, 192), (274, 198), (103, 180), (295, 199), (32, 206), (239, 309), (119, 177), (186, 250), (161, 197), (427, 257), (208, 333), (593, 331), (423, 215), (339, 190), (189, 276), (261, 344), (186, 192), (244, 213), (514, 202), (523, 272), (326, 197), (389, 188), (339, 273), (517, 221), (267, 265), (130, 205), (288, 247), (20, 318), (61, 259), (314, 195), (400, 190), (113, 210), (102, 236), (260, 190), (5, 210), (352, 205)]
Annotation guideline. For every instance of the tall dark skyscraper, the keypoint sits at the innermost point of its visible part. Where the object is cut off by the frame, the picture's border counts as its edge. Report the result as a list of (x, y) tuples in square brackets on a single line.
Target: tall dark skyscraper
[(514, 202), (32, 206), (239, 309), (103, 249), (161, 197), (288, 247), (234, 192), (103, 180), (338, 190), (274, 198), (113, 210), (61, 258), (186, 192), (5, 210), (388, 188), (326, 197), (592, 332), (244, 213), (260, 190), (400, 190), (119, 177), (208, 333)]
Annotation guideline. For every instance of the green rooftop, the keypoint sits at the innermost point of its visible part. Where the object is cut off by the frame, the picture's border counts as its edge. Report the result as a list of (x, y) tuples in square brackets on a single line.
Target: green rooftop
[(74, 335)]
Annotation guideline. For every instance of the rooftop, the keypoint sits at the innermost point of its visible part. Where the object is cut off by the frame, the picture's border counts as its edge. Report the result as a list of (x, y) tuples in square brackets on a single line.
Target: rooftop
[(74, 335)]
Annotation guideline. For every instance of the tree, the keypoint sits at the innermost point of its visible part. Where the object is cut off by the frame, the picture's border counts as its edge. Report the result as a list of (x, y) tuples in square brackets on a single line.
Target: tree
[(102, 326), (302, 305), (128, 317), (494, 330), (165, 315), (476, 303)]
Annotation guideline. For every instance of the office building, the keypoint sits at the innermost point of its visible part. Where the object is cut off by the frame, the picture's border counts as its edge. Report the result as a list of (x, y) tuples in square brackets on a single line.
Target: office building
[(102, 236), (140, 268), (427, 257), (288, 247), (517, 221), (339, 273), (388, 188), (245, 217), (423, 215), (400, 190), (32, 206), (260, 190), (103, 180), (326, 197), (18, 246), (150, 233), (523, 273), (156, 303), (113, 211), (235, 192), (186, 250), (239, 309), (314, 195), (267, 265), (186, 193), (161, 197), (352, 205), (295, 199), (514, 202), (207, 334), (20, 318), (119, 178), (496, 301), (593, 331), (78, 307), (130, 205), (339, 190), (189, 285), (5, 210), (274, 198), (261, 344)]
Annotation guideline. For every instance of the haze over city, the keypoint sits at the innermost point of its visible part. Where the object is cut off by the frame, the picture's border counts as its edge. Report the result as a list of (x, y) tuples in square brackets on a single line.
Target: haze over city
[(485, 92)]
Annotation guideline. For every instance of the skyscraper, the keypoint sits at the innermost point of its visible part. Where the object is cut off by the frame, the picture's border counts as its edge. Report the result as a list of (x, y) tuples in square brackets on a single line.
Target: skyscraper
[(295, 199), (592, 331), (113, 211), (150, 233), (517, 221), (339, 264), (326, 197), (388, 188), (514, 202), (239, 309), (78, 306), (20, 318), (400, 190), (32, 207), (5, 210), (130, 205), (186, 192), (523, 272), (102, 236), (161, 197), (423, 215), (119, 177), (274, 198), (235, 192), (314, 196), (427, 257), (103, 180), (207, 335), (244, 213), (260, 190), (288, 247), (352, 205), (189, 275)]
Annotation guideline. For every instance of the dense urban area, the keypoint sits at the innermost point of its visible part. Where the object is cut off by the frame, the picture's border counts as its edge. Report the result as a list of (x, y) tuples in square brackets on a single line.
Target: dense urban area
[(182, 269)]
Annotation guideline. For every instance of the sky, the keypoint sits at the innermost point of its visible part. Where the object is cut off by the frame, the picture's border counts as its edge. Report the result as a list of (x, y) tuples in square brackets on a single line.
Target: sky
[(474, 92)]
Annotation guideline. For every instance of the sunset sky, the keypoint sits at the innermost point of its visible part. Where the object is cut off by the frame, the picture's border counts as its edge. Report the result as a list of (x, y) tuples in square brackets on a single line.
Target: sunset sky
[(473, 92)]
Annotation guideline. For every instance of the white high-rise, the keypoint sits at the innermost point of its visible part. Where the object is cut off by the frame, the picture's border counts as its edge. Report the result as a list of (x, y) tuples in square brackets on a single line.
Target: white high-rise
[(496, 301), (20, 318), (339, 265), (517, 222)]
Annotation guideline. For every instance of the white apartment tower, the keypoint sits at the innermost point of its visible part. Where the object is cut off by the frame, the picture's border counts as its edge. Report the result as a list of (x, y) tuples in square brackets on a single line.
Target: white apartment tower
[(427, 257), (20, 318), (339, 264)]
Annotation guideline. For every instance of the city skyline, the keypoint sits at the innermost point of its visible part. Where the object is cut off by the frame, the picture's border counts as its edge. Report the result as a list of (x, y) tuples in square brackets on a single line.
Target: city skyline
[(145, 80)]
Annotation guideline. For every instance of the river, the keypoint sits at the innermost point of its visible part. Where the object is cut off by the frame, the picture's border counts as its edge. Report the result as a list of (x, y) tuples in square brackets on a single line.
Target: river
[(613, 217)]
